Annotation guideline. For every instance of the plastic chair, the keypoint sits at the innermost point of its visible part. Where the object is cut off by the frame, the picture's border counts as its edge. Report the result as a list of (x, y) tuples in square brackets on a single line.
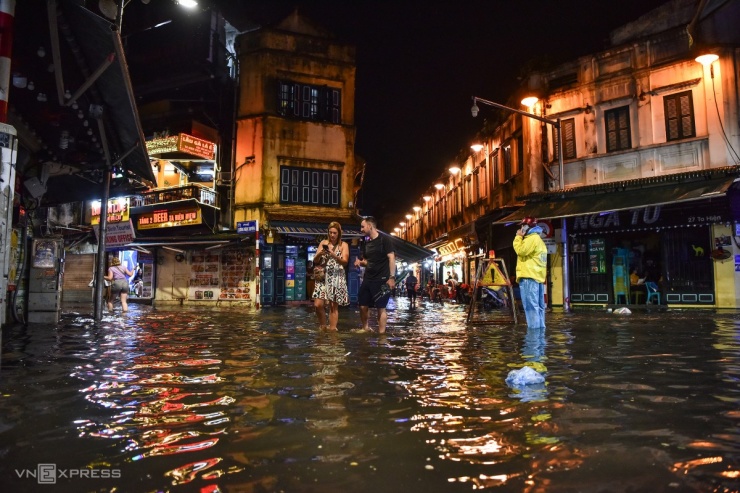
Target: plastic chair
[(652, 292), (636, 295)]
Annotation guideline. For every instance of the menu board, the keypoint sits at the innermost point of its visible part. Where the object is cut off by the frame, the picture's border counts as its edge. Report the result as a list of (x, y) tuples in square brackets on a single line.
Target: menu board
[(597, 255), (223, 275)]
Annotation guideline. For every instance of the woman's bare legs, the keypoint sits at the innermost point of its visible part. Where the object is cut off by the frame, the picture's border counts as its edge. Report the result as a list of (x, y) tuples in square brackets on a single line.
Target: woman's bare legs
[(333, 315), (318, 305), (124, 305)]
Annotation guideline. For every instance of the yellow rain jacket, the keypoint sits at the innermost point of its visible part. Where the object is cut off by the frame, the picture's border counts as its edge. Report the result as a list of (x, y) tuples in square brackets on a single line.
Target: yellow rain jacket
[(532, 256)]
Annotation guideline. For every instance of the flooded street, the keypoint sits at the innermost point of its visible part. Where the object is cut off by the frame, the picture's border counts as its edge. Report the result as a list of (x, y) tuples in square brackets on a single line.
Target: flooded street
[(218, 400)]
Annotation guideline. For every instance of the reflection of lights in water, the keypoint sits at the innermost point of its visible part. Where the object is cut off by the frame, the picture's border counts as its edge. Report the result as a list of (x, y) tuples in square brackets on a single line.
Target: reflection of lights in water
[(685, 467), (484, 481), (188, 472), (177, 449)]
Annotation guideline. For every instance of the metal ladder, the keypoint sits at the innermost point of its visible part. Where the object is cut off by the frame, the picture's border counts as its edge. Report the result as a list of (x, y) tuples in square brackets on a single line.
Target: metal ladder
[(491, 273)]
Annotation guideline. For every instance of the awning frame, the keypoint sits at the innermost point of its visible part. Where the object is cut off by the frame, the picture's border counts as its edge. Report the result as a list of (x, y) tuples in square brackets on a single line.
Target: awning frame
[(619, 200)]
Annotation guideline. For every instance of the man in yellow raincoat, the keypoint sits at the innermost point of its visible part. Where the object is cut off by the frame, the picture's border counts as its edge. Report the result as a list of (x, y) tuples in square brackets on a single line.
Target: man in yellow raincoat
[(531, 270)]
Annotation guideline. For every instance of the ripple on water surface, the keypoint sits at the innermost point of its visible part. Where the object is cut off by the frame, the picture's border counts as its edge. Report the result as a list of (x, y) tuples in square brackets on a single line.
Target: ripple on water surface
[(230, 401)]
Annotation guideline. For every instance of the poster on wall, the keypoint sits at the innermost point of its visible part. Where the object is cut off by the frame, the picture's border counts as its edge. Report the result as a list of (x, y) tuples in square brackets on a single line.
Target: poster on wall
[(222, 275), (597, 256), (44, 253)]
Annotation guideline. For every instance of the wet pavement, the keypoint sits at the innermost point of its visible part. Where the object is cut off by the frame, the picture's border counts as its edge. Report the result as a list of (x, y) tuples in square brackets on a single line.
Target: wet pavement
[(221, 400)]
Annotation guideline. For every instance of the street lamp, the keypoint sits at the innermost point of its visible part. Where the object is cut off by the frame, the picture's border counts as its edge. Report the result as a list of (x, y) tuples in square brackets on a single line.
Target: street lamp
[(474, 110)]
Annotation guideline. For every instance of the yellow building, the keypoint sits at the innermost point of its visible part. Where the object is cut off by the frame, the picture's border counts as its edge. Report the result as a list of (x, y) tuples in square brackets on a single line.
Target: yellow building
[(295, 168)]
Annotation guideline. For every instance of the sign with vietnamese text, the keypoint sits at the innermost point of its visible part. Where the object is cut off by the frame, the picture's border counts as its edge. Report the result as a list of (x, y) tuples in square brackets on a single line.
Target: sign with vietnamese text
[(169, 219), (118, 211), (597, 255), (182, 143), (246, 226), (452, 247), (197, 147)]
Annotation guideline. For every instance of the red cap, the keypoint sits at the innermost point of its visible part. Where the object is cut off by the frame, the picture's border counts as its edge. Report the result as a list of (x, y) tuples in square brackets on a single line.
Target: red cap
[(529, 221)]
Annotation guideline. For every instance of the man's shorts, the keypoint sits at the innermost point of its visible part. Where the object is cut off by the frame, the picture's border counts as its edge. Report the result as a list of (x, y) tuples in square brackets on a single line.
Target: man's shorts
[(368, 291)]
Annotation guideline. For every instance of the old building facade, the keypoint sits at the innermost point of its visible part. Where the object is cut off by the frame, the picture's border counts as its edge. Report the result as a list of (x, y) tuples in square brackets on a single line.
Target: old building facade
[(650, 145), (295, 167)]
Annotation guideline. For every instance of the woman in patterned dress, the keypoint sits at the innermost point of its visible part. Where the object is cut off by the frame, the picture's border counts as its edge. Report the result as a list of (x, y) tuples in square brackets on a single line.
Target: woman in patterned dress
[(332, 255)]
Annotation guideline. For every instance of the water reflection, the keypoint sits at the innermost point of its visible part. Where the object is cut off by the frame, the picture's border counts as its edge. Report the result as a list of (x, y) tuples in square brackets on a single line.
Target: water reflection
[(221, 401)]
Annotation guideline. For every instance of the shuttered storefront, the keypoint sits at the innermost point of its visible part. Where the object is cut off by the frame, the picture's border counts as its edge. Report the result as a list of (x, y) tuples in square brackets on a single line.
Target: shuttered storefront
[(78, 271)]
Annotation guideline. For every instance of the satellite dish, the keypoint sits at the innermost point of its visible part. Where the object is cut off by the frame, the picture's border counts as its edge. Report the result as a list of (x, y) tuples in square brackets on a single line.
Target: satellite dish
[(108, 8)]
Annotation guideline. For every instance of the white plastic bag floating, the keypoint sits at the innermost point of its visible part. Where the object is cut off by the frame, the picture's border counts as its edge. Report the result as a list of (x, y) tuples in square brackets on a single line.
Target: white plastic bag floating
[(524, 376), (622, 311)]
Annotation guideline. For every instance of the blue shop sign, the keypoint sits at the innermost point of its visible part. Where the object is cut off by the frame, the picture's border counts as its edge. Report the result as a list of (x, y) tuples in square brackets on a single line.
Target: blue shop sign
[(246, 226)]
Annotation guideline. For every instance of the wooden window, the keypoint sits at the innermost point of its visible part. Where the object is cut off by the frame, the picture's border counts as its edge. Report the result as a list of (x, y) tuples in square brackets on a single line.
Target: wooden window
[(618, 130), (507, 162), (519, 152), (679, 116), (568, 130), (309, 186), (307, 102), (494, 168)]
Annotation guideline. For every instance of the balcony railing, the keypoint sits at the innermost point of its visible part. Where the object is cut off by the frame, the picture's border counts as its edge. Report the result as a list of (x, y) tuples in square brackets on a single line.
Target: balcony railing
[(204, 195)]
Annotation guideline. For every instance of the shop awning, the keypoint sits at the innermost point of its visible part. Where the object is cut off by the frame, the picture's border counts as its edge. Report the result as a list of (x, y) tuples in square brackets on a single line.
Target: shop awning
[(192, 242), (405, 250), (97, 41), (622, 200), (311, 229)]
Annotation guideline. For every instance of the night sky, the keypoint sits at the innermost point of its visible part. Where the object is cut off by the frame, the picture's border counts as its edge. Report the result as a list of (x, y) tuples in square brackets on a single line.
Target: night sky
[(419, 63)]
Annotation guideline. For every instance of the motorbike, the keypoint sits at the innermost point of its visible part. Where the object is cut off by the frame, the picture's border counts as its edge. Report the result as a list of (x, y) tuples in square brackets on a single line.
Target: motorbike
[(492, 298)]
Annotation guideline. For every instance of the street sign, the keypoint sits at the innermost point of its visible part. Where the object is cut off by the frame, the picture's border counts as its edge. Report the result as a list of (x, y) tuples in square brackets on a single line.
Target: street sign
[(552, 247), (117, 235), (246, 226)]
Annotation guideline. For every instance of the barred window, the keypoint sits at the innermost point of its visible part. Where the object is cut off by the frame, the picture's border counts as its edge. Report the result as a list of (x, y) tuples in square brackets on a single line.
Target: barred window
[(618, 130), (308, 102), (679, 116), (308, 186)]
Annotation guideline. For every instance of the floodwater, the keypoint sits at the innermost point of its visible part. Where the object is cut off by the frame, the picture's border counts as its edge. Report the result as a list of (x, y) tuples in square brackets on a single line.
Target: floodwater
[(224, 401)]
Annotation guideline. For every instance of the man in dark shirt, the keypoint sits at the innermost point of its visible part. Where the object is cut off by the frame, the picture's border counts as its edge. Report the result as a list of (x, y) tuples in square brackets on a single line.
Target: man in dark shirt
[(411, 282), (379, 261)]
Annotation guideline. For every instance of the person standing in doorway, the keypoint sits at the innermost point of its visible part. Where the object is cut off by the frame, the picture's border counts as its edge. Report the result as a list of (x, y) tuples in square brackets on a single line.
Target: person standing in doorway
[(379, 261), (329, 276), (411, 283), (531, 270), (118, 275)]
